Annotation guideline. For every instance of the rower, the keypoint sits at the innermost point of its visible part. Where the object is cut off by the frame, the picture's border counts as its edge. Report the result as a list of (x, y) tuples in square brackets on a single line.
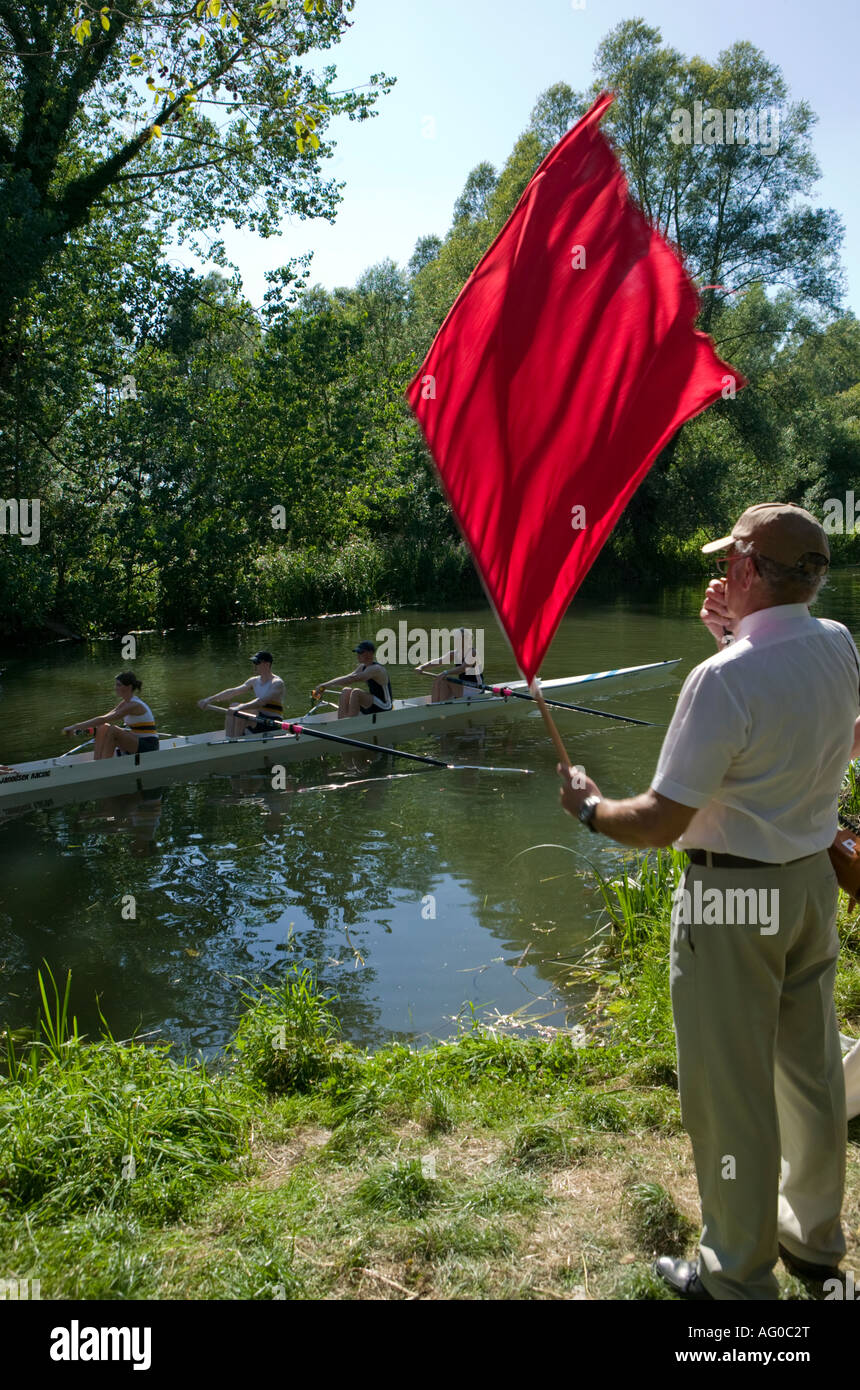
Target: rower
[(137, 733), (355, 702), (267, 692), (467, 669)]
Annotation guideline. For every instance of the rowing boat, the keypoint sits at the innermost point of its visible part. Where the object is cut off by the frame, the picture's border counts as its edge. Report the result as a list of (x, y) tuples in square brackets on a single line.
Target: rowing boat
[(79, 776)]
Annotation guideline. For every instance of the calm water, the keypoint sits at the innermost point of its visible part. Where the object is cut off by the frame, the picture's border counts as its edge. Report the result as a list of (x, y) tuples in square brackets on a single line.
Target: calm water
[(231, 879)]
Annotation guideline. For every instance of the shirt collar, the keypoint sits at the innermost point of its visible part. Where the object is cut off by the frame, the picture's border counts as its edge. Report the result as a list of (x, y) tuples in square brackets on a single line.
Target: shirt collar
[(764, 617)]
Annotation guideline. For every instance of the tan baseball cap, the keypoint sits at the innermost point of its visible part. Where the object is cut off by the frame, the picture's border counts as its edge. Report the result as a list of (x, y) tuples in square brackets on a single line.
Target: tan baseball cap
[(779, 531)]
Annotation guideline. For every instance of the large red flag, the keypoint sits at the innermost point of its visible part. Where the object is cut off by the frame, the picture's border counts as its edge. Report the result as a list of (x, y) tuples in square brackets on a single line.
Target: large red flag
[(567, 362)]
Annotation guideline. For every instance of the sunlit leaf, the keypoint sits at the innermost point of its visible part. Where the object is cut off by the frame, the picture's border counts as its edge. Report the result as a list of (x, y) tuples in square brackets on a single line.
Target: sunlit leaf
[(214, 8), (156, 130), (136, 59)]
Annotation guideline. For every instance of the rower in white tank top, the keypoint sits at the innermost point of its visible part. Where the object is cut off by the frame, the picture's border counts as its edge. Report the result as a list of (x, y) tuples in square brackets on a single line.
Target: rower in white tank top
[(141, 719), (263, 711), (137, 732)]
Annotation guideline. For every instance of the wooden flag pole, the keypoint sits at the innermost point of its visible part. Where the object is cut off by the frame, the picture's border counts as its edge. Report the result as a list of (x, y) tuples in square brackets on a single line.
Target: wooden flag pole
[(549, 722)]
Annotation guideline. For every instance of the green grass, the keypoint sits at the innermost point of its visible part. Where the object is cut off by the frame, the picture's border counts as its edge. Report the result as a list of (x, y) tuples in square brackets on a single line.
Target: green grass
[(658, 1228), (486, 1166)]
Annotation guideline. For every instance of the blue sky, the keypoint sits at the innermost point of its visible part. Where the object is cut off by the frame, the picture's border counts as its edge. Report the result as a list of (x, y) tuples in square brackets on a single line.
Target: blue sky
[(469, 72)]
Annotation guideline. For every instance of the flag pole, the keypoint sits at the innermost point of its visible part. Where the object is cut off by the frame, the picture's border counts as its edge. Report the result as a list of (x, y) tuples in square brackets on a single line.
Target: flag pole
[(549, 722)]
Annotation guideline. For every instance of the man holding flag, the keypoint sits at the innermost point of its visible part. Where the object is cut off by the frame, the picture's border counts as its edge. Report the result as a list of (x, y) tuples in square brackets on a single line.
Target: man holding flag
[(747, 784), (568, 361)]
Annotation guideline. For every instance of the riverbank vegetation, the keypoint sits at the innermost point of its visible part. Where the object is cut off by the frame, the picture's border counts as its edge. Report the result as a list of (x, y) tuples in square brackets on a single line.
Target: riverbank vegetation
[(201, 459), (487, 1166)]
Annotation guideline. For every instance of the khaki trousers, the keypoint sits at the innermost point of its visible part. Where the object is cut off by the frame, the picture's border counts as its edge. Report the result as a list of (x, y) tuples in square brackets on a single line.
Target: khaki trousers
[(759, 1067)]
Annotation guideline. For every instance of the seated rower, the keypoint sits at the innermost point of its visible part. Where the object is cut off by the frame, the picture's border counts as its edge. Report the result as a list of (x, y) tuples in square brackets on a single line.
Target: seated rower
[(267, 691), (378, 694), (137, 733), (466, 669)]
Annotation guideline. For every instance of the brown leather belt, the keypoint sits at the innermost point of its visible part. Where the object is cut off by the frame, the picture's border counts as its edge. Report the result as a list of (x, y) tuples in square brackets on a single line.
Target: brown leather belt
[(711, 860)]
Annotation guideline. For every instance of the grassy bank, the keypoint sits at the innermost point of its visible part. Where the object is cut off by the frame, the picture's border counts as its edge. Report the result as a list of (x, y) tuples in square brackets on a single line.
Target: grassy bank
[(488, 1166)]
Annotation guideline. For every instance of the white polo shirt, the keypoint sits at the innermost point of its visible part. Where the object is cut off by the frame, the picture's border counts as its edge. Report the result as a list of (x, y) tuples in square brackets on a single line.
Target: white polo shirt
[(761, 737)]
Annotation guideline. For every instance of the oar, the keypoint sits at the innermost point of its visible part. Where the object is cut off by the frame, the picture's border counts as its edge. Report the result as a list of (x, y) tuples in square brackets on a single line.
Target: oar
[(375, 748), (71, 751), (506, 693)]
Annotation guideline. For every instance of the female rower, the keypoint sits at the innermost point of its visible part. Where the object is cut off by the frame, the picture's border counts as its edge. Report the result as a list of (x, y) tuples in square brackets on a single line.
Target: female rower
[(138, 734), (467, 670)]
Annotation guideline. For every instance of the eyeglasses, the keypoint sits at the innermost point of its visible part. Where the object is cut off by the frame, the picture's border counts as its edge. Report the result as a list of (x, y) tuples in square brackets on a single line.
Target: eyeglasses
[(722, 562)]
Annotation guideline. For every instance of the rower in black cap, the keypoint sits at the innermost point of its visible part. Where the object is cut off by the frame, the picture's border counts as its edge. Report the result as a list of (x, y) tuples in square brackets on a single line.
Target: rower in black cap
[(354, 702), (267, 691)]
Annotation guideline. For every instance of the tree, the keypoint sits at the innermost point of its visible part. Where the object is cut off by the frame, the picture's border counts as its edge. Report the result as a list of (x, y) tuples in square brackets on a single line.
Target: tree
[(199, 113), (471, 206), (736, 211), (554, 112), (426, 250)]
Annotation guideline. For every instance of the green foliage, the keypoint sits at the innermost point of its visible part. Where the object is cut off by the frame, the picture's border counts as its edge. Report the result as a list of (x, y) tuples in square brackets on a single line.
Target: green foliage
[(104, 1126), (403, 1190), (198, 459), (539, 1145), (636, 902), (288, 1040), (658, 1227)]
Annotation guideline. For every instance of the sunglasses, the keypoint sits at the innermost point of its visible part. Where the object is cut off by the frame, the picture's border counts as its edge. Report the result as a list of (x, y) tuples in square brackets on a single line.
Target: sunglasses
[(722, 562)]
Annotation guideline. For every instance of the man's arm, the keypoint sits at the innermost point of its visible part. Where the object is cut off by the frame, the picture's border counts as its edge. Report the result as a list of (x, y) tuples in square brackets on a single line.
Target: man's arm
[(649, 821), (374, 672), (357, 674), (234, 694), (646, 821)]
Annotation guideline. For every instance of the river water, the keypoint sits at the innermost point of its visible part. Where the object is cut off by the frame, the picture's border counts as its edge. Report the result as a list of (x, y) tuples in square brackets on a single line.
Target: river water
[(418, 896)]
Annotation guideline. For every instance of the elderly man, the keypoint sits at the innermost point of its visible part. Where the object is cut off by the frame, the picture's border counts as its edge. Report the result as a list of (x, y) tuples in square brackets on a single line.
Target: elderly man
[(747, 785)]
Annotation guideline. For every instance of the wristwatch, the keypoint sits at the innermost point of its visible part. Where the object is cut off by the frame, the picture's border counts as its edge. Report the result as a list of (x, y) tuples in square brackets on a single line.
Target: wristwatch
[(587, 810)]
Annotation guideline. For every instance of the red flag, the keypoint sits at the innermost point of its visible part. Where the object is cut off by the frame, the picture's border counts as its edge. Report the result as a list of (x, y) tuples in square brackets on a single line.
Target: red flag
[(567, 362)]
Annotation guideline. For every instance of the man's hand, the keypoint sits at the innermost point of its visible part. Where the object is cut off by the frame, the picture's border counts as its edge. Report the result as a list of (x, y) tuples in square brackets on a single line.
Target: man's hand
[(202, 704), (575, 787), (714, 613)]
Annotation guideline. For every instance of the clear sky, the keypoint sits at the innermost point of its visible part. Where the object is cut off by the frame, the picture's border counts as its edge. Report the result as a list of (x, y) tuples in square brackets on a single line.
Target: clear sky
[(469, 72)]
